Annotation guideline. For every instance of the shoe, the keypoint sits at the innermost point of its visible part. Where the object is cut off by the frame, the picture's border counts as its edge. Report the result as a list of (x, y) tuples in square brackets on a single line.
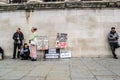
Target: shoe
[(12, 58), (33, 59), (22, 59), (18, 57), (115, 57)]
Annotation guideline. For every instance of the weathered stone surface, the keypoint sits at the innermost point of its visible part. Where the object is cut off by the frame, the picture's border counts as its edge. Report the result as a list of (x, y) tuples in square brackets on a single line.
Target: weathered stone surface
[(87, 29), (63, 69), (4, 1)]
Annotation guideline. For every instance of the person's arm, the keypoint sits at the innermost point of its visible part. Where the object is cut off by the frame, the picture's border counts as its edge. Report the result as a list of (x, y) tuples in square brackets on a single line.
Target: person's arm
[(14, 37), (22, 37), (34, 35), (117, 36), (22, 51), (110, 37)]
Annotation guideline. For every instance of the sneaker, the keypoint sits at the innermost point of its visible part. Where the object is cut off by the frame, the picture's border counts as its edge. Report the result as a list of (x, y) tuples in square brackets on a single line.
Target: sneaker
[(115, 57), (33, 59), (12, 58), (22, 59)]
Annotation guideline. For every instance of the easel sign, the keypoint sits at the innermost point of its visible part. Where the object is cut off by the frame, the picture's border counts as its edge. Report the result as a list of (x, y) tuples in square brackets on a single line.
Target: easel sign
[(61, 41), (42, 43)]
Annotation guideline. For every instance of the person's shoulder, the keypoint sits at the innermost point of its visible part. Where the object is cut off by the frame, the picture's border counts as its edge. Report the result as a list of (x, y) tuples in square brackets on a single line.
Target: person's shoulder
[(21, 32), (116, 32), (15, 32)]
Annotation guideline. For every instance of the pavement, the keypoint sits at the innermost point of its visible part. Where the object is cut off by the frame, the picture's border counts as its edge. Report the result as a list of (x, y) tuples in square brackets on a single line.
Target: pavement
[(61, 69)]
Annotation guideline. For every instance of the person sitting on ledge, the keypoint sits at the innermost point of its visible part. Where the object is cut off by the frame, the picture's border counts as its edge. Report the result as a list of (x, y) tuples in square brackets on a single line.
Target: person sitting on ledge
[(113, 41), (25, 52)]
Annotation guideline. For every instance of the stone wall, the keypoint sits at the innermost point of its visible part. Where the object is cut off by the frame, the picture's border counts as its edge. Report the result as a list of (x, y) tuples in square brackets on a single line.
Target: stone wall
[(87, 29), (5, 1)]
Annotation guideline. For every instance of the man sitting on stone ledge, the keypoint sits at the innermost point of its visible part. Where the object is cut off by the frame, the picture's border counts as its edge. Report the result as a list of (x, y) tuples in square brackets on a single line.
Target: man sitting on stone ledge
[(113, 41)]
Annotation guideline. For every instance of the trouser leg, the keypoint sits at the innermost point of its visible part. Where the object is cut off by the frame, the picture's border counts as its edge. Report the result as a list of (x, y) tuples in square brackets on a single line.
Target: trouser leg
[(113, 51), (19, 49), (2, 55), (14, 51)]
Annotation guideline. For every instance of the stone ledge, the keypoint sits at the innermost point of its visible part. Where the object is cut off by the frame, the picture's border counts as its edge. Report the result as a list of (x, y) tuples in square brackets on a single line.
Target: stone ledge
[(60, 5)]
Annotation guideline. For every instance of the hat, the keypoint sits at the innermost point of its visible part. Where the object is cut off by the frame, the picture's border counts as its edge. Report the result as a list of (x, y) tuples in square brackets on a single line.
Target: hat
[(113, 28)]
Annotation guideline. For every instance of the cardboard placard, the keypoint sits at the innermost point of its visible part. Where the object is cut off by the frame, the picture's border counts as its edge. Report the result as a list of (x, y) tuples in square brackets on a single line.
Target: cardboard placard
[(65, 54), (61, 41), (42, 43)]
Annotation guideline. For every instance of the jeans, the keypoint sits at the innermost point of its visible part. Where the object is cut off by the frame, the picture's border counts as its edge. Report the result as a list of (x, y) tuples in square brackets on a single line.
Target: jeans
[(15, 48), (113, 48)]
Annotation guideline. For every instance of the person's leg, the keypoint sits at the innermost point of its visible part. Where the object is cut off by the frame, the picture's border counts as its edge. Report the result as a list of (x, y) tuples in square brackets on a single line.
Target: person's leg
[(34, 55), (22, 57), (27, 55), (14, 51), (117, 45), (2, 55), (19, 49), (113, 51)]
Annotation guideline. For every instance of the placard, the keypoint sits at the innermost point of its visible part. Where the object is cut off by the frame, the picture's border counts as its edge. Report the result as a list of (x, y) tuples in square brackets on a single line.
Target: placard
[(61, 41), (65, 55), (42, 43)]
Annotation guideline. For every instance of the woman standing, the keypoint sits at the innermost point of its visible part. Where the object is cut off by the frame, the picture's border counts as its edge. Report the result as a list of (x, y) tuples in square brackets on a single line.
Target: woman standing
[(33, 54)]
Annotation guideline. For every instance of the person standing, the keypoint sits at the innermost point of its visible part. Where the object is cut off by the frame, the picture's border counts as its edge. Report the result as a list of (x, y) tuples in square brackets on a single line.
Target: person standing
[(18, 38), (113, 41), (34, 35)]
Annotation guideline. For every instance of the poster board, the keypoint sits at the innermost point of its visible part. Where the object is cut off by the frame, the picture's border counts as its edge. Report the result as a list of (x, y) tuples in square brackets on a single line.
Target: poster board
[(61, 40), (42, 43), (65, 54)]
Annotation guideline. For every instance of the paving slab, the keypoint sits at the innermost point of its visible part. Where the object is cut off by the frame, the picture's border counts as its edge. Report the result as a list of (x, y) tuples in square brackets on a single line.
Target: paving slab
[(61, 69)]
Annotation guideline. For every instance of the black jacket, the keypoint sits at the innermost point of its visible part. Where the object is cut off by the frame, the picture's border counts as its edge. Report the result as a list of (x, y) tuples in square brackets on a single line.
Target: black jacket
[(20, 36), (2, 52)]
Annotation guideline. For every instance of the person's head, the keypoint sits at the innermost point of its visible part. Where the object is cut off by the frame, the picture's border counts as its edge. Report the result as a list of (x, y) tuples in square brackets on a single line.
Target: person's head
[(25, 45), (33, 29), (113, 29), (18, 29)]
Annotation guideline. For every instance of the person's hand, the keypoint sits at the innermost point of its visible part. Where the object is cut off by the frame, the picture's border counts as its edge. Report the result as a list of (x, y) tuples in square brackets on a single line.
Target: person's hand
[(18, 38), (116, 38), (111, 36), (29, 41)]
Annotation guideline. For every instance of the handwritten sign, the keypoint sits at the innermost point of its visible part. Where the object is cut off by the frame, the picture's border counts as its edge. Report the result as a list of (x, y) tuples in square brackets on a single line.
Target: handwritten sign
[(42, 43)]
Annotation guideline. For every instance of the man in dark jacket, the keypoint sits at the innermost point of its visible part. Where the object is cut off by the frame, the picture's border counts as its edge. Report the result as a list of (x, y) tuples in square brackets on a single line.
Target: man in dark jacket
[(113, 41), (18, 37)]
